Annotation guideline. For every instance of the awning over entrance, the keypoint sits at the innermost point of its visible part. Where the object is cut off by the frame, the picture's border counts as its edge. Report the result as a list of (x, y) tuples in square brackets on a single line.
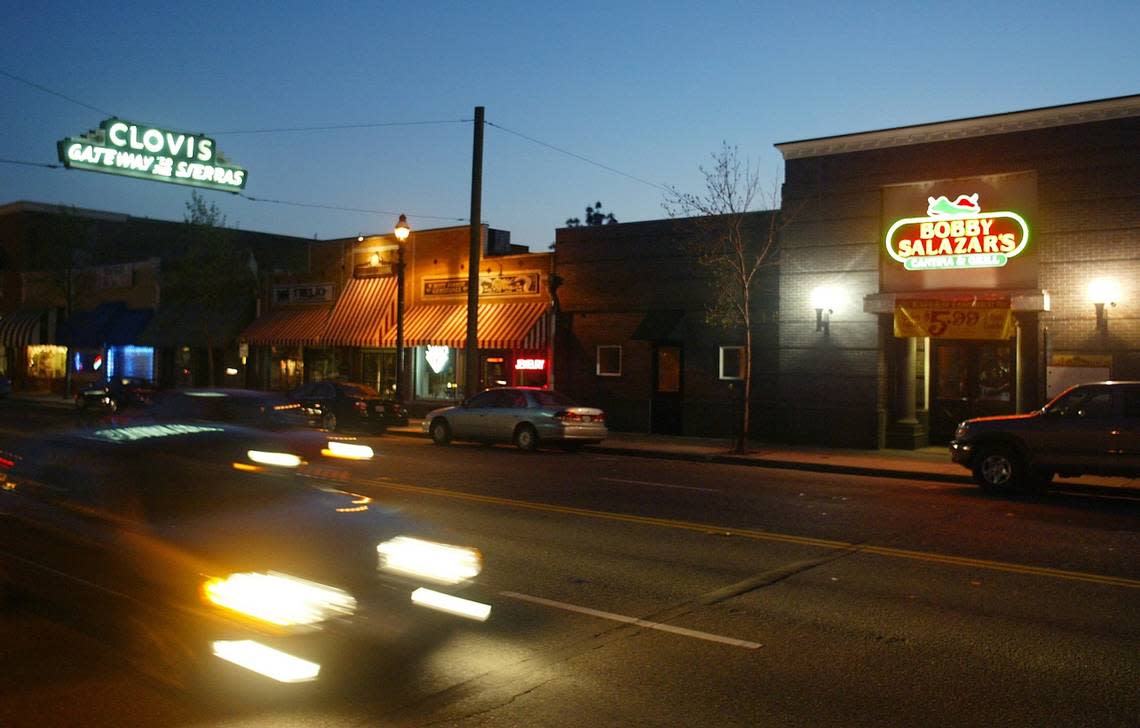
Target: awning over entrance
[(362, 313), (108, 324), (501, 326), (21, 328), (300, 326)]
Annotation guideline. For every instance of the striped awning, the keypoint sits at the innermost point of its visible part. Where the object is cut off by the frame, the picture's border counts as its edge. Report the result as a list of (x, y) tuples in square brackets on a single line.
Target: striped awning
[(501, 326), (288, 326), (362, 313), (20, 328)]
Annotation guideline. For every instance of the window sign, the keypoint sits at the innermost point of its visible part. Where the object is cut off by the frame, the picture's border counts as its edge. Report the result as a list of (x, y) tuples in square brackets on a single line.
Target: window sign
[(138, 150), (957, 234)]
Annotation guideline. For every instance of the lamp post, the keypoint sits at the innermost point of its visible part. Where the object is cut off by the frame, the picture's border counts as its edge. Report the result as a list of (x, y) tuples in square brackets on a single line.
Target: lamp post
[(402, 231)]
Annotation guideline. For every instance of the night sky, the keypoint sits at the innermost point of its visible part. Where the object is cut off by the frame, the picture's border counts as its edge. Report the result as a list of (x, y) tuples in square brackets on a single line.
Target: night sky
[(648, 90)]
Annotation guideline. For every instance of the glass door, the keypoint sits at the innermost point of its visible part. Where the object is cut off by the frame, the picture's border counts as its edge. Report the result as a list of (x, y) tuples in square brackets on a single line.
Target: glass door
[(970, 379)]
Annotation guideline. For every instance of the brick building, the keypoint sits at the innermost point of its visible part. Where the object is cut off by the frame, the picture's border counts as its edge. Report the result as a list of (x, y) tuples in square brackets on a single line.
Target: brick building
[(935, 272)]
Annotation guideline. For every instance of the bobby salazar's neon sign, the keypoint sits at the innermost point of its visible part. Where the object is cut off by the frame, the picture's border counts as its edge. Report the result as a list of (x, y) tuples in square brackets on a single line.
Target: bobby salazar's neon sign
[(957, 235), (137, 150)]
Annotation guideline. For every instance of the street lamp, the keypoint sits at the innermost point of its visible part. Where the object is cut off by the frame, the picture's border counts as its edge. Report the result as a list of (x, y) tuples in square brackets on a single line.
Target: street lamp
[(402, 231)]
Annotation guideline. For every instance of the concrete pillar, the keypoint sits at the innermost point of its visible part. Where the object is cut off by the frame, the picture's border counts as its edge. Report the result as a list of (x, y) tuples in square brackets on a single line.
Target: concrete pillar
[(907, 373), (906, 432)]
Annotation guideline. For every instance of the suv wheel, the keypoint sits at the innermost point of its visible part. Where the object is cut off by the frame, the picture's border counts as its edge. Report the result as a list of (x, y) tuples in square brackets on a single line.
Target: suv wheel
[(998, 469)]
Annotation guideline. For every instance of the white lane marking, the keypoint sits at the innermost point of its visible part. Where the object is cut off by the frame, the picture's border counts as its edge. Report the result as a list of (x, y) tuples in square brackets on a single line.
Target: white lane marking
[(634, 620), (659, 485)]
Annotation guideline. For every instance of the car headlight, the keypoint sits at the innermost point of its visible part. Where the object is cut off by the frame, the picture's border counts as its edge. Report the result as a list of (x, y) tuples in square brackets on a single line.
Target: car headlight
[(278, 599), (963, 428), (347, 450), (430, 560)]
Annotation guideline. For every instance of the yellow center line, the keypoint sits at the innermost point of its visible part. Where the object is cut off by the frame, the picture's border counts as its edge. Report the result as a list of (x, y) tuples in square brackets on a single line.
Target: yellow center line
[(767, 536)]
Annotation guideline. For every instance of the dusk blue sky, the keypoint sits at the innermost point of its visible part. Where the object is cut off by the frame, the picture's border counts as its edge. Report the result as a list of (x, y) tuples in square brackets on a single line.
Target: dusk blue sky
[(650, 89)]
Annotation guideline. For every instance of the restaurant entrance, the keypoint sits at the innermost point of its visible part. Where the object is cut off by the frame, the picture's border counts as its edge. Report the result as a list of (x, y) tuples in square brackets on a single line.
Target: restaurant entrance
[(969, 379)]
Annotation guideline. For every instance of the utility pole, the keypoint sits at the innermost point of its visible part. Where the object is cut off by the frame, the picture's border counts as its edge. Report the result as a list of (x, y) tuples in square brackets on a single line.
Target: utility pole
[(472, 378)]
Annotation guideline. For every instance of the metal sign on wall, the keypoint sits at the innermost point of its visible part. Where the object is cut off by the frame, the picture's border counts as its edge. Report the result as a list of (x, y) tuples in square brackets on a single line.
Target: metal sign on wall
[(145, 152), (526, 283), (304, 293), (967, 318), (964, 233)]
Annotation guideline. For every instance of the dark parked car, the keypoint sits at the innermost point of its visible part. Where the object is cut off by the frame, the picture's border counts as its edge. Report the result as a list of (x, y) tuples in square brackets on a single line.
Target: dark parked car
[(118, 393), (526, 416), (247, 407), (1089, 428), (333, 406), (202, 543)]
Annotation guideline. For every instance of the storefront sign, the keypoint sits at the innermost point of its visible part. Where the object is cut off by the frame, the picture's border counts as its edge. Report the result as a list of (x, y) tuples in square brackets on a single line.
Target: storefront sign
[(967, 318), (532, 365), (505, 284), (137, 150), (957, 235), (308, 293)]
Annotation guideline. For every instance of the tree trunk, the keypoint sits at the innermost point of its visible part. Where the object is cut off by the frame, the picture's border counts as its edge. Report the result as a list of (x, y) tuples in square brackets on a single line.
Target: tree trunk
[(746, 410)]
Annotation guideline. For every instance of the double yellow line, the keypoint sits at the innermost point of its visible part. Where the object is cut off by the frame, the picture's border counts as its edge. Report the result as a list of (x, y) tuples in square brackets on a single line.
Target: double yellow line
[(768, 536)]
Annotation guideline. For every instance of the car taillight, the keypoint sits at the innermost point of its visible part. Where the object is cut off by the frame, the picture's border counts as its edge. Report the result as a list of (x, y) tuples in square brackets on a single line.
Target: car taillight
[(567, 416), (361, 405)]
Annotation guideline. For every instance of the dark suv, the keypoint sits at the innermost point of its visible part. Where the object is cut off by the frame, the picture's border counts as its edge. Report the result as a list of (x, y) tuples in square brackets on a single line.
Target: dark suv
[(1090, 428)]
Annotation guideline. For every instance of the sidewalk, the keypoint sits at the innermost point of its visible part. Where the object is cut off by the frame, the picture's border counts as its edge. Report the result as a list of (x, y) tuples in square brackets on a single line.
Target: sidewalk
[(928, 463)]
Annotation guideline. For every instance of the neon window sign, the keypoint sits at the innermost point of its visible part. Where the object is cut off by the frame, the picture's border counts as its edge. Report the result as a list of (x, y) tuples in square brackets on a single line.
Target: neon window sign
[(145, 152), (530, 365), (956, 235)]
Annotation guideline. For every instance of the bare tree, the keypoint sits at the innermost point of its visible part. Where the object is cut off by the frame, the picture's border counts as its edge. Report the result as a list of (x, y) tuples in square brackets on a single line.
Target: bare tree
[(213, 277), (727, 240)]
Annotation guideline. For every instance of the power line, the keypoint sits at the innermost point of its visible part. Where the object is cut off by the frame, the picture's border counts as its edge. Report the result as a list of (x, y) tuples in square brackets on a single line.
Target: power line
[(47, 90), (31, 164), (347, 209), (337, 127), (580, 157)]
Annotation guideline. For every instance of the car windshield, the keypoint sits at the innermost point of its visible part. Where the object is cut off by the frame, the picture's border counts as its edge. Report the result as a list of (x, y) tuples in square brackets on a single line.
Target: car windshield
[(550, 398)]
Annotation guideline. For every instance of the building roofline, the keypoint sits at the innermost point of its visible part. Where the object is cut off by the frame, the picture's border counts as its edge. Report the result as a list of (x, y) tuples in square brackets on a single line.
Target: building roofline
[(1083, 112)]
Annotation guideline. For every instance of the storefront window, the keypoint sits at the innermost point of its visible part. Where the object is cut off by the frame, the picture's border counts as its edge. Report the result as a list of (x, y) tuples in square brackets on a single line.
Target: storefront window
[(378, 370), (437, 371), (320, 365), (47, 362), (286, 368), (732, 362), (530, 370), (130, 361), (494, 372)]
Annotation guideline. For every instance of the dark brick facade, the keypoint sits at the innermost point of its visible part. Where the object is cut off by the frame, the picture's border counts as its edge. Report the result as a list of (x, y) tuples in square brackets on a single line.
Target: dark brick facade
[(840, 389)]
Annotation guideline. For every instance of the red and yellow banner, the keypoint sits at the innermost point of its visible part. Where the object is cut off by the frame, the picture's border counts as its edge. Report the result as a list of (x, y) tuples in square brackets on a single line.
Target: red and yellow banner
[(966, 318)]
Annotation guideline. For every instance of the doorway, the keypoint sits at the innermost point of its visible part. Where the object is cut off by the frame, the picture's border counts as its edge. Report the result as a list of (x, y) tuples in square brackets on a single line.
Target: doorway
[(969, 379), (666, 405)]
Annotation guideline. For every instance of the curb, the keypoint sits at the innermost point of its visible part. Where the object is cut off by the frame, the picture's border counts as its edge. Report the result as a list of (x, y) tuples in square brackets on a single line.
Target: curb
[(774, 463)]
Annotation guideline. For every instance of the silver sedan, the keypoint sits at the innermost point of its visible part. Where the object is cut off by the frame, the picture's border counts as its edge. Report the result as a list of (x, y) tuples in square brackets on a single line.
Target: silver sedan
[(526, 416)]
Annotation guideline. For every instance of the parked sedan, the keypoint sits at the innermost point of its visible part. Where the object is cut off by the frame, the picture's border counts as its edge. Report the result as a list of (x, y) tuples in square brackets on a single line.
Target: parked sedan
[(116, 394), (333, 406), (215, 559), (526, 416)]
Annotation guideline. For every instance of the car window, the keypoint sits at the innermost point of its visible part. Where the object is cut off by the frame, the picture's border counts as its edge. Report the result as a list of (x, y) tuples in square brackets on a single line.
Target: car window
[(484, 399), (305, 390), (513, 400), (324, 390), (1132, 402), (549, 398), (1085, 402), (360, 391)]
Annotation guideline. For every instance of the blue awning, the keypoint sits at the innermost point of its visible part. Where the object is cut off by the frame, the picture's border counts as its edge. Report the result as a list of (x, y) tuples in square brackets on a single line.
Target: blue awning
[(108, 324)]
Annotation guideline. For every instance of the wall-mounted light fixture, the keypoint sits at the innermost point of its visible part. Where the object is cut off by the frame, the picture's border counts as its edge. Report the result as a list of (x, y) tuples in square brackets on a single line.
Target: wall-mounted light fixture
[(824, 299), (1103, 292)]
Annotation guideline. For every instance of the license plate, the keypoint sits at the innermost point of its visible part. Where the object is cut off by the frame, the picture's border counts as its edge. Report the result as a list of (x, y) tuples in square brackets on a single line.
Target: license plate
[(587, 418), (379, 408)]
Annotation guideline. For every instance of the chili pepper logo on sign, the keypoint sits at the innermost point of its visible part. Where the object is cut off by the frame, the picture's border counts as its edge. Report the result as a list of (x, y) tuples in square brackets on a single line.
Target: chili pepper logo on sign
[(957, 234)]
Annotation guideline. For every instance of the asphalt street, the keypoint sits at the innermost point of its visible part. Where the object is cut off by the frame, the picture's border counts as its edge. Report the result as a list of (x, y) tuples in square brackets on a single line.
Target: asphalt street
[(635, 591)]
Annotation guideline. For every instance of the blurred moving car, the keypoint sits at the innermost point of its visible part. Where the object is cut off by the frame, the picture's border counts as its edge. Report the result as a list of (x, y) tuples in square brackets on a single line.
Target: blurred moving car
[(247, 407), (525, 416), (116, 394), (1089, 428), (334, 405), (205, 545)]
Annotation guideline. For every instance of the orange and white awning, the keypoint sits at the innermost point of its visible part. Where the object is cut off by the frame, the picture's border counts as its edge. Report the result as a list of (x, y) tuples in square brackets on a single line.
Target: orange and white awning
[(299, 326), (501, 326), (365, 310)]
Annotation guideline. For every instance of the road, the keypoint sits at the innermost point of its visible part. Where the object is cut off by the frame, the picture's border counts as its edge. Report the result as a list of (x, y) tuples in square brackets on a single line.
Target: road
[(635, 591)]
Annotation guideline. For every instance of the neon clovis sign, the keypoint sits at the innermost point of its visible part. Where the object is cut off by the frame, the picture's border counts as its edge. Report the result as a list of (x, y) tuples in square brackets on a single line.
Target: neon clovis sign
[(146, 152)]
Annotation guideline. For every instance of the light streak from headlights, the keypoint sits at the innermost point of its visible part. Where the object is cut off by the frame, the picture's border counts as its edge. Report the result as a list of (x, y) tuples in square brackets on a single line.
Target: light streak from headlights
[(430, 560), (278, 599), (450, 604), (280, 459), (347, 450), (264, 660)]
